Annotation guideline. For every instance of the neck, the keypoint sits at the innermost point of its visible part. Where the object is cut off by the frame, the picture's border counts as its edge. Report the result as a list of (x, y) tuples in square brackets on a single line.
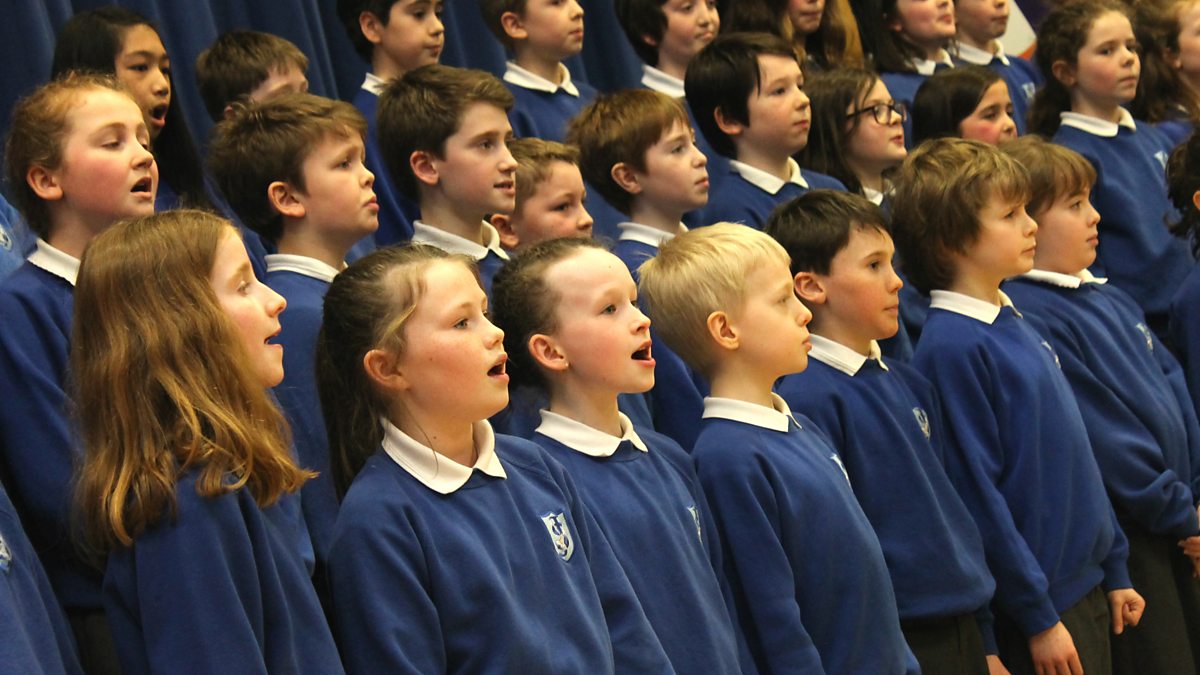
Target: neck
[(70, 235), (671, 66), (770, 161), (1109, 112), (868, 176), (384, 68), (663, 220), (439, 212), (731, 381), (987, 290), (596, 409), (451, 438), (310, 243), (845, 336), (988, 44), (541, 65)]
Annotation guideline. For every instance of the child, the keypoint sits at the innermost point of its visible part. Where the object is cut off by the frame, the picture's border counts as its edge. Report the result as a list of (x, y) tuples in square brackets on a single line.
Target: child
[(981, 24), (666, 34), (187, 478), (441, 513), (1183, 180), (541, 34), (292, 168), (747, 93), (883, 420), (808, 578), (1164, 98), (1185, 45), (638, 151), (1134, 402), (823, 34), (572, 327), (77, 161), (1088, 54), (393, 37), (970, 102), (550, 195), (246, 65), (1019, 452), (443, 131)]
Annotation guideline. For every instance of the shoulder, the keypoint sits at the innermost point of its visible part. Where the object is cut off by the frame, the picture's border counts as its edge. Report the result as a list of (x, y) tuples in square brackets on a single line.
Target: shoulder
[(817, 180)]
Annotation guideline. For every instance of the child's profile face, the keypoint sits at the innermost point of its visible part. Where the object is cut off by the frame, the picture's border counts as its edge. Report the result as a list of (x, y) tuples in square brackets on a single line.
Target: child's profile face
[(773, 322), (600, 330), (107, 172), (862, 291), (1067, 236), (1005, 245), (414, 35), (778, 110), (1106, 69), (1188, 58), (555, 209), (476, 170), (280, 81), (252, 307), (805, 15), (676, 176), (991, 122), (928, 24), (691, 25), (144, 67), (871, 147), (981, 21), (338, 193), (553, 28)]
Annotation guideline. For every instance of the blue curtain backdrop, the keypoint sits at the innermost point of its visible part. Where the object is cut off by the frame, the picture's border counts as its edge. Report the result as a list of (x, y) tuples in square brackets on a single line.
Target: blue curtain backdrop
[(28, 29)]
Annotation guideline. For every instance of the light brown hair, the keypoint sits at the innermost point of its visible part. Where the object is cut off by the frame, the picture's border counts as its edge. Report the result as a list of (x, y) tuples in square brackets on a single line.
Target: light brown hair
[(1055, 171), (535, 161)]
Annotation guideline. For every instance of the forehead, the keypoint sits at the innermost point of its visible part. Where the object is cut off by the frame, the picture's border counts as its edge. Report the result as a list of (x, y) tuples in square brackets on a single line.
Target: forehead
[(482, 118), (230, 256), (587, 272), (560, 175), (142, 38), (448, 284), (95, 108), (865, 237), (1111, 25), (775, 66)]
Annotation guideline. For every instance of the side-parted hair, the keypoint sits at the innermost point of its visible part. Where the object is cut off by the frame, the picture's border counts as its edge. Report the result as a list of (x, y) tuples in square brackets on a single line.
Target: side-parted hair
[(1055, 171), (621, 127), (492, 10), (1183, 181), (523, 304), (535, 160), (940, 191), (238, 62), (348, 12), (419, 111), (697, 273), (1063, 33), (723, 76), (162, 382), (269, 141), (815, 226), (37, 135), (366, 307), (947, 98), (642, 19), (830, 95)]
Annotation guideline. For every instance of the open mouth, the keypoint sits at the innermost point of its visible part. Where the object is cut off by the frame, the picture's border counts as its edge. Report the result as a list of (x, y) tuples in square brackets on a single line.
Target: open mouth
[(144, 185), (159, 113), (643, 354), (499, 369)]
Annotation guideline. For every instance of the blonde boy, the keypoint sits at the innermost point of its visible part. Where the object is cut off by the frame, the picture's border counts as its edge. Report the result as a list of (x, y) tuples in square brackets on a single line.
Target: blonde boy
[(550, 196)]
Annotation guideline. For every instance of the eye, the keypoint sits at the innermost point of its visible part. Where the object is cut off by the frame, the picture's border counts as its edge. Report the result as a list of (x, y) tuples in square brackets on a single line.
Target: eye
[(140, 68), (561, 207), (243, 287), (609, 309), (461, 323)]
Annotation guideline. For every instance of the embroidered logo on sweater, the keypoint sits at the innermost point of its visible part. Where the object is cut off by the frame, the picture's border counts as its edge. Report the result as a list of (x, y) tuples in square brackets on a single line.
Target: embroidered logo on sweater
[(5, 556), (1146, 334), (1029, 89), (696, 518), (560, 534), (6, 241), (922, 421)]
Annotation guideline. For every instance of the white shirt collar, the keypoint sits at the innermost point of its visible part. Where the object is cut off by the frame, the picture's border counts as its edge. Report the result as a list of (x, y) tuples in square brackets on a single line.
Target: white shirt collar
[(374, 84), (301, 264), (644, 234), (1065, 280), (653, 78), (521, 77), (423, 233), (1097, 126), (765, 181), (974, 308), (928, 67), (873, 195), (582, 438), (841, 357), (433, 469), (981, 57), (55, 262), (775, 418)]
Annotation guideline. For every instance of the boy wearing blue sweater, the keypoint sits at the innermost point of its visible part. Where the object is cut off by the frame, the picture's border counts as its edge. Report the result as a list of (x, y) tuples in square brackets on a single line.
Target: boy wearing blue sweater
[(1134, 401), (747, 92), (666, 34), (883, 420), (444, 132), (550, 195), (541, 34), (809, 582), (393, 37), (1019, 452), (981, 24), (292, 169)]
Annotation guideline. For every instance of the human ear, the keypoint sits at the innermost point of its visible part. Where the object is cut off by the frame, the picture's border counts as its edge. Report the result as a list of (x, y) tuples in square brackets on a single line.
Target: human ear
[(44, 183), (1196, 199), (509, 238), (283, 199), (547, 353), (810, 287), (423, 167), (722, 331), (727, 125), (382, 368), (513, 26), (1063, 72), (626, 178), (371, 27)]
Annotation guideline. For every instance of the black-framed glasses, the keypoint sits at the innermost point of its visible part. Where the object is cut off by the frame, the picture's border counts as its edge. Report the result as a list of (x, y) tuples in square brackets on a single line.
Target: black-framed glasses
[(883, 111)]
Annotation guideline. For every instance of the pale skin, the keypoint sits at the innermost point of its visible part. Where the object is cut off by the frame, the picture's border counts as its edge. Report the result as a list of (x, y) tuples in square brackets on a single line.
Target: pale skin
[(535, 47)]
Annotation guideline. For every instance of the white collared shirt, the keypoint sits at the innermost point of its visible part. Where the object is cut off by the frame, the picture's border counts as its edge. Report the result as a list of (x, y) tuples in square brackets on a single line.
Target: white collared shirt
[(765, 181), (775, 418), (423, 233), (981, 57), (374, 84), (582, 438), (1097, 126), (977, 309), (433, 469), (644, 234), (514, 74), (657, 80), (1065, 280), (301, 264), (873, 195), (54, 261), (928, 67), (841, 357)]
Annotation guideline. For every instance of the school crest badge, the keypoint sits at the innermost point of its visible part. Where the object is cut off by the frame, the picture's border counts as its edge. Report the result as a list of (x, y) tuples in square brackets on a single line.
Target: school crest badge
[(696, 519), (5, 556), (922, 421), (1146, 334), (560, 534)]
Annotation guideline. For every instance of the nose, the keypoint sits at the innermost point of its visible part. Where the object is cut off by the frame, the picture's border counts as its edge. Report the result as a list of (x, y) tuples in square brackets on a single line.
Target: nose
[(275, 303), (436, 27), (801, 99), (895, 283), (494, 336), (142, 156), (1092, 214), (585, 219), (576, 10), (804, 316), (508, 162), (161, 85), (698, 158), (368, 177), (641, 321)]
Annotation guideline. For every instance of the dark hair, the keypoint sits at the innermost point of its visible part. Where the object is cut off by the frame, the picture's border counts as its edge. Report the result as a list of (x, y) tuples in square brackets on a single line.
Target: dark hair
[(815, 226), (1162, 93), (90, 41), (890, 52), (830, 95), (238, 62), (836, 42), (1183, 181), (523, 304), (947, 98), (1063, 33), (723, 76), (349, 11), (493, 10), (419, 111), (641, 19)]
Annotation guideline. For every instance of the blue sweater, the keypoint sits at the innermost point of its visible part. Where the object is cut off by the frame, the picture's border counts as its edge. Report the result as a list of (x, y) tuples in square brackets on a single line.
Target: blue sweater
[(1137, 252), (544, 115), (650, 507), (1132, 394), (886, 426), (476, 581), (809, 581), (396, 211), (16, 241), (36, 637), (1018, 453), (1185, 332), (736, 200), (903, 88), (220, 588)]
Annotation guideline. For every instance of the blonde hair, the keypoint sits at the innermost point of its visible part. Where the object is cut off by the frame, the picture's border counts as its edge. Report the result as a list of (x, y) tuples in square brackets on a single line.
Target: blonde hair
[(697, 273), (162, 382)]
